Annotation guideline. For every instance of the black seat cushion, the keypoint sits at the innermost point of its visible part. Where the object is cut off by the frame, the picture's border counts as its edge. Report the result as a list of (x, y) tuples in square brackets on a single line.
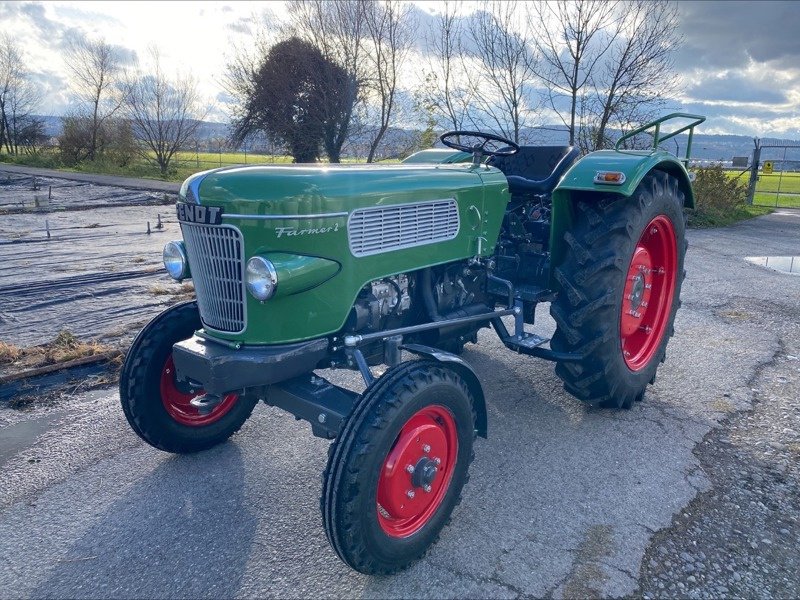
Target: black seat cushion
[(532, 169), (531, 162)]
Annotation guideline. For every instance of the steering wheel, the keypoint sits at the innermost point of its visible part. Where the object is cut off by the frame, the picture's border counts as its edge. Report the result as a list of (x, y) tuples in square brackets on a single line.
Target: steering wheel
[(479, 149)]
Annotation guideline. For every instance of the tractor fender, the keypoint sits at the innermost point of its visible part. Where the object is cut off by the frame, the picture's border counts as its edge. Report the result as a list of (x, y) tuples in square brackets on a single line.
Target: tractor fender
[(463, 368), (634, 164), (578, 182)]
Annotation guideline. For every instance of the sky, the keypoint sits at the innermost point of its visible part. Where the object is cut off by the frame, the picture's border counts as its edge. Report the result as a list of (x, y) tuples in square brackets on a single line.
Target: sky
[(740, 61)]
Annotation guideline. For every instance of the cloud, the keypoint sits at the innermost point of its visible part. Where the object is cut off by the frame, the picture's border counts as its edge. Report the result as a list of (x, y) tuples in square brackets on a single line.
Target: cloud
[(73, 13), (241, 25), (730, 34), (737, 87), (35, 13), (127, 56), (742, 60)]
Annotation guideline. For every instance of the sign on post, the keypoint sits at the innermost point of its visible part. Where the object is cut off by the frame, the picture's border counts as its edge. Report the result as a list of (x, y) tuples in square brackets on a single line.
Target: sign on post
[(739, 162)]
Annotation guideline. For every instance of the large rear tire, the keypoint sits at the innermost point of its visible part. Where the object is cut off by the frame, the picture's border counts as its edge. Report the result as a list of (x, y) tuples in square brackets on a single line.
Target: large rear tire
[(157, 406), (620, 289), (396, 470)]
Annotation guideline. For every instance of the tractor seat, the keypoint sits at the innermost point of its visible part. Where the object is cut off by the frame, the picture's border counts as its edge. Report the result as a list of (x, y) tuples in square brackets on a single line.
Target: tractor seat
[(535, 169)]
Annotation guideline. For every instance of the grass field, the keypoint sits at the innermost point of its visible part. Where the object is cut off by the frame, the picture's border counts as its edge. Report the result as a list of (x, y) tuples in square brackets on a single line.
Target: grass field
[(212, 160), (189, 162), (776, 200), (774, 189), (182, 165)]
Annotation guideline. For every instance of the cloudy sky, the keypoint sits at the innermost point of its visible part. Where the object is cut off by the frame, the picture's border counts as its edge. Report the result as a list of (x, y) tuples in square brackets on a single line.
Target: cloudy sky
[(740, 60)]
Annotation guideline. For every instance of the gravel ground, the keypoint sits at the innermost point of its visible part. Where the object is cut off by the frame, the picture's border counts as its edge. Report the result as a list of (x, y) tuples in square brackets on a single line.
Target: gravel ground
[(740, 538)]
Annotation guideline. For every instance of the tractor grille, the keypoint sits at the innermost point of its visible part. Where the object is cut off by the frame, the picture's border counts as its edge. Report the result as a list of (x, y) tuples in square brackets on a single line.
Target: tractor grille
[(382, 229), (216, 259)]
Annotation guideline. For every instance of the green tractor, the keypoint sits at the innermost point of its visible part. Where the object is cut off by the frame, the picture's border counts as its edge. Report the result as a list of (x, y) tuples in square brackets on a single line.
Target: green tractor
[(304, 268)]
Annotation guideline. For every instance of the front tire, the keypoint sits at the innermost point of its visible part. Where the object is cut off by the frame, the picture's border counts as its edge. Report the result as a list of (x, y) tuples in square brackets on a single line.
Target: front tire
[(157, 406), (396, 471), (620, 290)]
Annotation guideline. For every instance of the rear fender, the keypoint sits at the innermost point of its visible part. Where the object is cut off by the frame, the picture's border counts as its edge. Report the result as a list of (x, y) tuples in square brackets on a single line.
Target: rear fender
[(465, 371), (578, 182)]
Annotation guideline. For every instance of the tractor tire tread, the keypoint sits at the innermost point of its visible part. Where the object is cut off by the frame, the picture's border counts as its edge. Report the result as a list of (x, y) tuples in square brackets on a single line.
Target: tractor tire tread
[(590, 276), (133, 378), (372, 411)]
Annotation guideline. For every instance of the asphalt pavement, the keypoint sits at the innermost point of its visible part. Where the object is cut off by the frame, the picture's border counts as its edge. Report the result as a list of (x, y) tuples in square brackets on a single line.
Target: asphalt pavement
[(564, 500), (133, 183)]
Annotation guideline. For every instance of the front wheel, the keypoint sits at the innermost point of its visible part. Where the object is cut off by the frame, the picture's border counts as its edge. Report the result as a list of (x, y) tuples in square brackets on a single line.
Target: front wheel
[(620, 290), (396, 471), (158, 406)]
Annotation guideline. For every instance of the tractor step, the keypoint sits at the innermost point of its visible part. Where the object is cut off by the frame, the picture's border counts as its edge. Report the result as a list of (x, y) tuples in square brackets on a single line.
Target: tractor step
[(531, 344), (529, 341), (527, 292)]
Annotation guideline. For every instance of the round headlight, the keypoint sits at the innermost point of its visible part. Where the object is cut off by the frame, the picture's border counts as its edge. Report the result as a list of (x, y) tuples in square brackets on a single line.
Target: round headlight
[(261, 278), (175, 260)]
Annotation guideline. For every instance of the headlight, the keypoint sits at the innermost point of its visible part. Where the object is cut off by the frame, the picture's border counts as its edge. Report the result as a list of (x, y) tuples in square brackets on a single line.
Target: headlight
[(175, 260), (261, 278)]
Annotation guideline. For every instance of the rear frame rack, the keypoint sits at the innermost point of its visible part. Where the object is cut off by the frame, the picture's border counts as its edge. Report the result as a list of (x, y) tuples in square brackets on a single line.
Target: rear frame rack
[(658, 138)]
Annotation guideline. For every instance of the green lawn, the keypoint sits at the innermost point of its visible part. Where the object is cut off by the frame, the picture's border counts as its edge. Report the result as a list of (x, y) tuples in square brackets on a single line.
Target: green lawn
[(776, 200), (183, 163), (213, 160), (789, 182), (768, 186)]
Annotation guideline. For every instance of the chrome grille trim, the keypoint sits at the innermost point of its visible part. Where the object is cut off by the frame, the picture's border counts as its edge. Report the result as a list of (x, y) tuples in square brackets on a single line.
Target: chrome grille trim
[(216, 261), (387, 228), (285, 217)]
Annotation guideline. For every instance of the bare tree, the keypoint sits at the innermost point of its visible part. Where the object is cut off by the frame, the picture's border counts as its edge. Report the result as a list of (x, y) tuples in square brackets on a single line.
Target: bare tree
[(19, 98), (241, 74), (571, 39), (446, 91), (389, 26), (164, 111), (507, 67), (638, 73), (338, 29), (95, 68)]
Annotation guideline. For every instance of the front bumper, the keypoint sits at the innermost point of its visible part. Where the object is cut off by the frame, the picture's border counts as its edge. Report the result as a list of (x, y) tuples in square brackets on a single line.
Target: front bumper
[(221, 369)]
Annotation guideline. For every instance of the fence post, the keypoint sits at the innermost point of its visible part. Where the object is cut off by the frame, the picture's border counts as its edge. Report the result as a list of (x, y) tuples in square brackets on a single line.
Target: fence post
[(219, 148), (751, 186), (197, 154)]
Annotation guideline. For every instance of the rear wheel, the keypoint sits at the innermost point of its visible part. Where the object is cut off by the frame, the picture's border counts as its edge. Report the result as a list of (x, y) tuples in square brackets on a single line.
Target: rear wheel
[(396, 471), (158, 406), (620, 290)]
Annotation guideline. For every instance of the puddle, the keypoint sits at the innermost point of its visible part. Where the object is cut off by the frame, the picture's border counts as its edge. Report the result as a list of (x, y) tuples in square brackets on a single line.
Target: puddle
[(784, 264), (23, 434)]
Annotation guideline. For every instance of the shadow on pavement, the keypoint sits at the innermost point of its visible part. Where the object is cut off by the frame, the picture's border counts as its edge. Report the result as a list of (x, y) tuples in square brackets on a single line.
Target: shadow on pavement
[(159, 533)]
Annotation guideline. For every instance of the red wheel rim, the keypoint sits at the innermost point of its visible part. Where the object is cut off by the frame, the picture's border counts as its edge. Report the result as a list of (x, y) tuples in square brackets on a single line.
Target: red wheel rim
[(417, 471), (176, 401), (649, 291)]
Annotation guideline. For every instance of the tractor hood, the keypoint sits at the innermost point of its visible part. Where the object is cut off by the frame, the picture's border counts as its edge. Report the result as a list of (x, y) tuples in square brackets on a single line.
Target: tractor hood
[(330, 230), (305, 190)]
